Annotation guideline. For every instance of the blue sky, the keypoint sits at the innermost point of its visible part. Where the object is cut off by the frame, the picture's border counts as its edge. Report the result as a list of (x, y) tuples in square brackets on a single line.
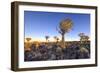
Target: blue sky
[(39, 24)]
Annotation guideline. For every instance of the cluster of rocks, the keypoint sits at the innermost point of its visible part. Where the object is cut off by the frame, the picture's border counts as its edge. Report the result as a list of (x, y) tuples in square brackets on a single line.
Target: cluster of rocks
[(55, 52)]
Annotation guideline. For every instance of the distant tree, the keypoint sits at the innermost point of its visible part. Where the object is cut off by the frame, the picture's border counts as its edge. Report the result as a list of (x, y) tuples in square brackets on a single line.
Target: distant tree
[(83, 38), (47, 37), (56, 38), (28, 39), (27, 44)]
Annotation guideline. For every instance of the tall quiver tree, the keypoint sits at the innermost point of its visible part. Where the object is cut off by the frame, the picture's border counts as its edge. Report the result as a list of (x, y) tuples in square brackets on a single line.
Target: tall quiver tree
[(64, 27)]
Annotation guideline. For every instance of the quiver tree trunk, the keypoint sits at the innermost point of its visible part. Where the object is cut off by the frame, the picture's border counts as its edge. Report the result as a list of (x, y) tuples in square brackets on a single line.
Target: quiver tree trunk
[(63, 41)]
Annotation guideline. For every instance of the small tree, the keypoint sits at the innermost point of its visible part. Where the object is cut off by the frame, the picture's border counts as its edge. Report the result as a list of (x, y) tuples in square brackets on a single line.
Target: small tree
[(47, 37), (28, 39), (27, 44), (56, 38), (81, 36)]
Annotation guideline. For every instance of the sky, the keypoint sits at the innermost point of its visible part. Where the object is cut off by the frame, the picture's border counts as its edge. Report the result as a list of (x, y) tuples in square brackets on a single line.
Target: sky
[(37, 25)]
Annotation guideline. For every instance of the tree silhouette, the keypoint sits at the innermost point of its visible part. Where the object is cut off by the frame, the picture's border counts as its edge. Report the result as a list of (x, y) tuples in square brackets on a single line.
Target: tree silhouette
[(56, 38), (47, 37)]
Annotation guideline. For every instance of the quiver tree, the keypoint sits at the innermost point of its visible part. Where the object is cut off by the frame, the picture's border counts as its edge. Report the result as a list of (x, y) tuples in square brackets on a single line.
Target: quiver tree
[(83, 38), (56, 38), (47, 37), (28, 39), (64, 27), (27, 44)]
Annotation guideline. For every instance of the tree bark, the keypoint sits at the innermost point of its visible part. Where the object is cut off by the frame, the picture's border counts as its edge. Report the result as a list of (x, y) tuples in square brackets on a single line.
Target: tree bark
[(63, 40)]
